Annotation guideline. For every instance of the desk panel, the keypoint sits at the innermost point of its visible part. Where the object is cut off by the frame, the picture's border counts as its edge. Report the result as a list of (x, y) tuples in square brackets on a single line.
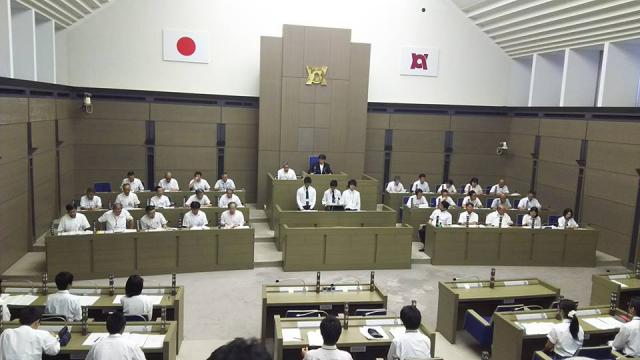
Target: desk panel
[(172, 214)]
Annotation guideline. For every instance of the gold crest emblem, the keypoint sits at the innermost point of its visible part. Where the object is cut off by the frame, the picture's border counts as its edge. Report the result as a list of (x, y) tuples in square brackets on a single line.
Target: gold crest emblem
[(317, 75)]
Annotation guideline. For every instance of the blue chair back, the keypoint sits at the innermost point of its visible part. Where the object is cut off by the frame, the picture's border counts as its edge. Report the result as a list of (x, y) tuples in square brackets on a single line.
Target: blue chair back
[(519, 219), (489, 202), (487, 189), (102, 187), (404, 200), (595, 352), (433, 202), (516, 203), (459, 201), (313, 160), (481, 331), (553, 220)]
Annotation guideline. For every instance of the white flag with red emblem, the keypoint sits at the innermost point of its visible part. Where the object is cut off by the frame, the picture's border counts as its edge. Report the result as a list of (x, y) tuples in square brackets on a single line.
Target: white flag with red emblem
[(189, 46)]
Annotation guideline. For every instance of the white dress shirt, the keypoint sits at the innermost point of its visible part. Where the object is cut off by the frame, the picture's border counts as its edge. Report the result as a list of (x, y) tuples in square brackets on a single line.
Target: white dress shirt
[(224, 200), (289, 175), (171, 185), (228, 221), (136, 184), (6, 313), (331, 197), (158, 221), (223, 186), (410, 345), (94, 203), (527, 221), (418, 185), (115, 346), (302, 199), (628, 338), (137, 305), (476, 203), (69, 224), (526, 204), (496, 202), (496, 189), (413, 201), (204, 201), (392, 187), (116, 223), (199, 185), (327, 352), (447, 199), (493, 219), (128, 202), (451, 189), (571, 224), (161, 201), (442, 217), (189, 220), (64, 303), (477, 189), (27, 343), (351, 199), (565, 344), (473, 218)]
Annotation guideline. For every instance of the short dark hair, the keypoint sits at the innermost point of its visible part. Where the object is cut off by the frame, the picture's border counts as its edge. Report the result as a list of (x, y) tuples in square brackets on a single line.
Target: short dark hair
[(134, 285), (533, 208), (532, 192), (90, 190), (450, 182), (199, 190), (569, 210), (473, 180), (444, 190), (469, 203), (352, 182), (69, 207), (197, 173), (471, 193), (322, 157), (422, 175), (635, 303), (445, 204), (411, 317), (418, 190), (241, 349), (307, 180), (396, 178), (131, 173), (149, 208), (116, 322), (330, 328), (126, 185), (159, 187), (232, 203), (195, 205), (63, 280), (30, 314), (333, 183)]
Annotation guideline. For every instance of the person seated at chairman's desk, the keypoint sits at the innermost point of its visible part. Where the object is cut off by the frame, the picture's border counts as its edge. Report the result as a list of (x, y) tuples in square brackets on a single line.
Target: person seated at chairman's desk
[(321, 167)]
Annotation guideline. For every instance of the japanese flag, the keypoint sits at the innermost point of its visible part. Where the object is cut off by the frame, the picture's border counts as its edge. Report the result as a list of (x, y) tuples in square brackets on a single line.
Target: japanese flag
[(189, 46)]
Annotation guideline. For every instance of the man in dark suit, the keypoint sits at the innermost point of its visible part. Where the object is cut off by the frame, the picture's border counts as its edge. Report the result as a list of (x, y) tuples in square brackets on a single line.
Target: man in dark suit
[(322, 166)]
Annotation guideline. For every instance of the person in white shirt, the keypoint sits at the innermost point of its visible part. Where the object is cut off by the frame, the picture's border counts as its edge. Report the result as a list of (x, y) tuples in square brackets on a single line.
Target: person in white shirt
[(286, 173), (418, 200), (115, 346), (232, 218), (27, 342), (444, 196), (566, 221), (73, 221), (198, 182), (321, 167), (472, 198), (195, 217), (395, 186), (628, 338), (502, 200), (412, 344), (567, 337), (529, 201), (532, 219), (449, 186), (134, 303), (160, 200), (168, 183), (421, 184), (117, 219), (351, 196), (228, 197), (127, 198), (152, 220), (441, 216), (6, 313), (473, 185), (306, 195), (247, 349), (468, 217), (499, 188), (330, 329), (90, 201), (499, 218), (200, 197), (224, 183), (62, 302), (136, 184), (331, 196)]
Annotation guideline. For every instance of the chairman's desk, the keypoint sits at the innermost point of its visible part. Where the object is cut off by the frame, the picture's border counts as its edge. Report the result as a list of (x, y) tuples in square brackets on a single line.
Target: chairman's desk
[(75, 348), (91, 256), (512, 246), (278, 299), (455, 298), (177, 197), (624, 284), (351, 339)]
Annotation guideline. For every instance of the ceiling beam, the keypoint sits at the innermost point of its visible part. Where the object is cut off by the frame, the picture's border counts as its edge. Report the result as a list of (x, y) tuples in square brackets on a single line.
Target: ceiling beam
[(490, 7), (591, 42), (83, 7), (45, 12), (73, 7), (93, 2), (59, 10), (523, 7)]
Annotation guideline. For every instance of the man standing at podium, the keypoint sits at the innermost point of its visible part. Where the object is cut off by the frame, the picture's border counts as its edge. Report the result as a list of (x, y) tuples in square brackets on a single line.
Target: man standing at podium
[(306, 195), (332, 195), (321, 167)]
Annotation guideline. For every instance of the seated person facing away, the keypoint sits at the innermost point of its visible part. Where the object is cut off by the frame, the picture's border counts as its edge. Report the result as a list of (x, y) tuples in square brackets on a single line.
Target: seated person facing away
[(499, 188), (224, 183), (628, 338), (152, 220), (418, 200), (421, 184), (566, 221), (231, 218), (472, 198), (351, 196), (168, 183), (529, 201), (412, 344), (241, 349), (195, 217), (330, 329), (27, 342), (73, 221), (499, 218), (306, 195), (321, 167), (115, 346), (285, 173), (567, 337), (198, 182), (532, 219), (134, 303), (449, 186), (444, 196), (395, 186), (332, 195), (160, 200), (62, 302), (502, 200), (227, 198), (200, 197), (473, 185), (127, 198), (468, 217), (90, 201), (441, 216), (131, 179), (117, 219)]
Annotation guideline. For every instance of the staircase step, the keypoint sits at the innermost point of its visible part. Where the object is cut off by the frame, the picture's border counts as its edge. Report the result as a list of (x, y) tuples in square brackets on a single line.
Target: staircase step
[(266, 255)]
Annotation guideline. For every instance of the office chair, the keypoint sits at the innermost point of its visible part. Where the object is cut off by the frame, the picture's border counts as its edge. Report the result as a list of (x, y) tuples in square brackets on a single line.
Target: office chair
[(481, 327), (102, 187), (459, 201), (489, 202), (136, 318), (519, 219), (487, 190), (553, 220), (433, 202), (370, 312), (313, 159), (53, 317)]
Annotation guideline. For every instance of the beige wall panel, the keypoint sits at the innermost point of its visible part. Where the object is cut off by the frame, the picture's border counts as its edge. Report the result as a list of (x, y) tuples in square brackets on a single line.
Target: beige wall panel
[(68, 190), (521, 145), (618, 217), (617, 158), (13, 142), (486, 167), (499, 124), (409, 162), (560, 150), (555, 198), (339, 116), (525, 126), (373, 162), (358, 98), (240, 159), (118, 110), (42, 109), (268, 162), (477, 143), (66, 131), (322, 94), (43, 135), (110, 157), (305, 139), (13, 110), (616, 132), (290, 114), (321, 140), (186, 158), (67, 109), (572, 129), (293, 37), (340, 54), (247, 181), (419, 122), (109, 132), (46, 210), (613, 187), (44, 167), (245, 136), (299, 161), (306, 93), (517, 185), (374, 140), (14, 237), (185, 134), (614, 243), (518, 168), (306, 114), (208, 114), (67, 154), (322, 115), (558, 175), (239, 116), (416, 141), (270, 92), (13, 177), (378, 121)]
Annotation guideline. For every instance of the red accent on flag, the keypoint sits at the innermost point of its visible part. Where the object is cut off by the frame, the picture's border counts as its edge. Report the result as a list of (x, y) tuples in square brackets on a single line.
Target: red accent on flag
[(186, 46)]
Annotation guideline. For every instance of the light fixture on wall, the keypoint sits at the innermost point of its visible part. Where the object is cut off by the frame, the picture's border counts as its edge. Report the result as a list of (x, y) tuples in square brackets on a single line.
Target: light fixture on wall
[(502, 148), (87, 106)]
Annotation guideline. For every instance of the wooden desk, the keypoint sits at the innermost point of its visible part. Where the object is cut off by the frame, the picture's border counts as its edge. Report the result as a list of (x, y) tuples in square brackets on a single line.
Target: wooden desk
[(346, 248), (278, 299), (177, 197), (602, 285), (540, 355), (172, 214), (351, 339), (454, 300), (150, 253), (513, 246)]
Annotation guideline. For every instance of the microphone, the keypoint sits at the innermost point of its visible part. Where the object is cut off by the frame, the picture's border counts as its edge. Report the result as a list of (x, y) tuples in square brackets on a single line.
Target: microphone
[(346, 315), (45, 286), (174, 291), (163, 316), (85, 317), (138, 227), (304, 284), (95, 227), (112, 289), (318, 282), (467, 220), (492, 278), (372, 284), (414, 303), (614, 303), (473, 277)]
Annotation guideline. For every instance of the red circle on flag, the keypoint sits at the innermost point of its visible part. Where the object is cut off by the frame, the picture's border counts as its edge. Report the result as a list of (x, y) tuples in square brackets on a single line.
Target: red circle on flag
[(186, 46)]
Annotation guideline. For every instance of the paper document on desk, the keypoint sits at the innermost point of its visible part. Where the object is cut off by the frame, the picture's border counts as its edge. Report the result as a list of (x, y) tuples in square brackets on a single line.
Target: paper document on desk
[(536, 328), (138, 339), (516, 283), (292, 289), (87, 300), (378, 322), (619, 283), (20, 300), (291, 335), (137, 328), (153, 291), (618, 276), (155, 300), (308, 324), (468, 285), (603, 323), (154, 342), (315, 338), (365, 332), (94, 338), (53, 328)]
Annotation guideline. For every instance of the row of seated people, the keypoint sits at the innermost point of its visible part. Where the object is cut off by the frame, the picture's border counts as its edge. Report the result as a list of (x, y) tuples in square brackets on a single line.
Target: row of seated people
[(333, 198), (321, 167), (396, 186), (419, 200), (168, 183)]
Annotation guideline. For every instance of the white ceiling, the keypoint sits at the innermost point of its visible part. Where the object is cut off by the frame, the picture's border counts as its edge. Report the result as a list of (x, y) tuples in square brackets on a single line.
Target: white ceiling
[(64, 12), (525, 27)]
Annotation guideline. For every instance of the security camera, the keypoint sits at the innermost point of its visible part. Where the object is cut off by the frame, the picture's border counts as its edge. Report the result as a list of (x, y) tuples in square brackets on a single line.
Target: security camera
[(502, 148), (87, 106)]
